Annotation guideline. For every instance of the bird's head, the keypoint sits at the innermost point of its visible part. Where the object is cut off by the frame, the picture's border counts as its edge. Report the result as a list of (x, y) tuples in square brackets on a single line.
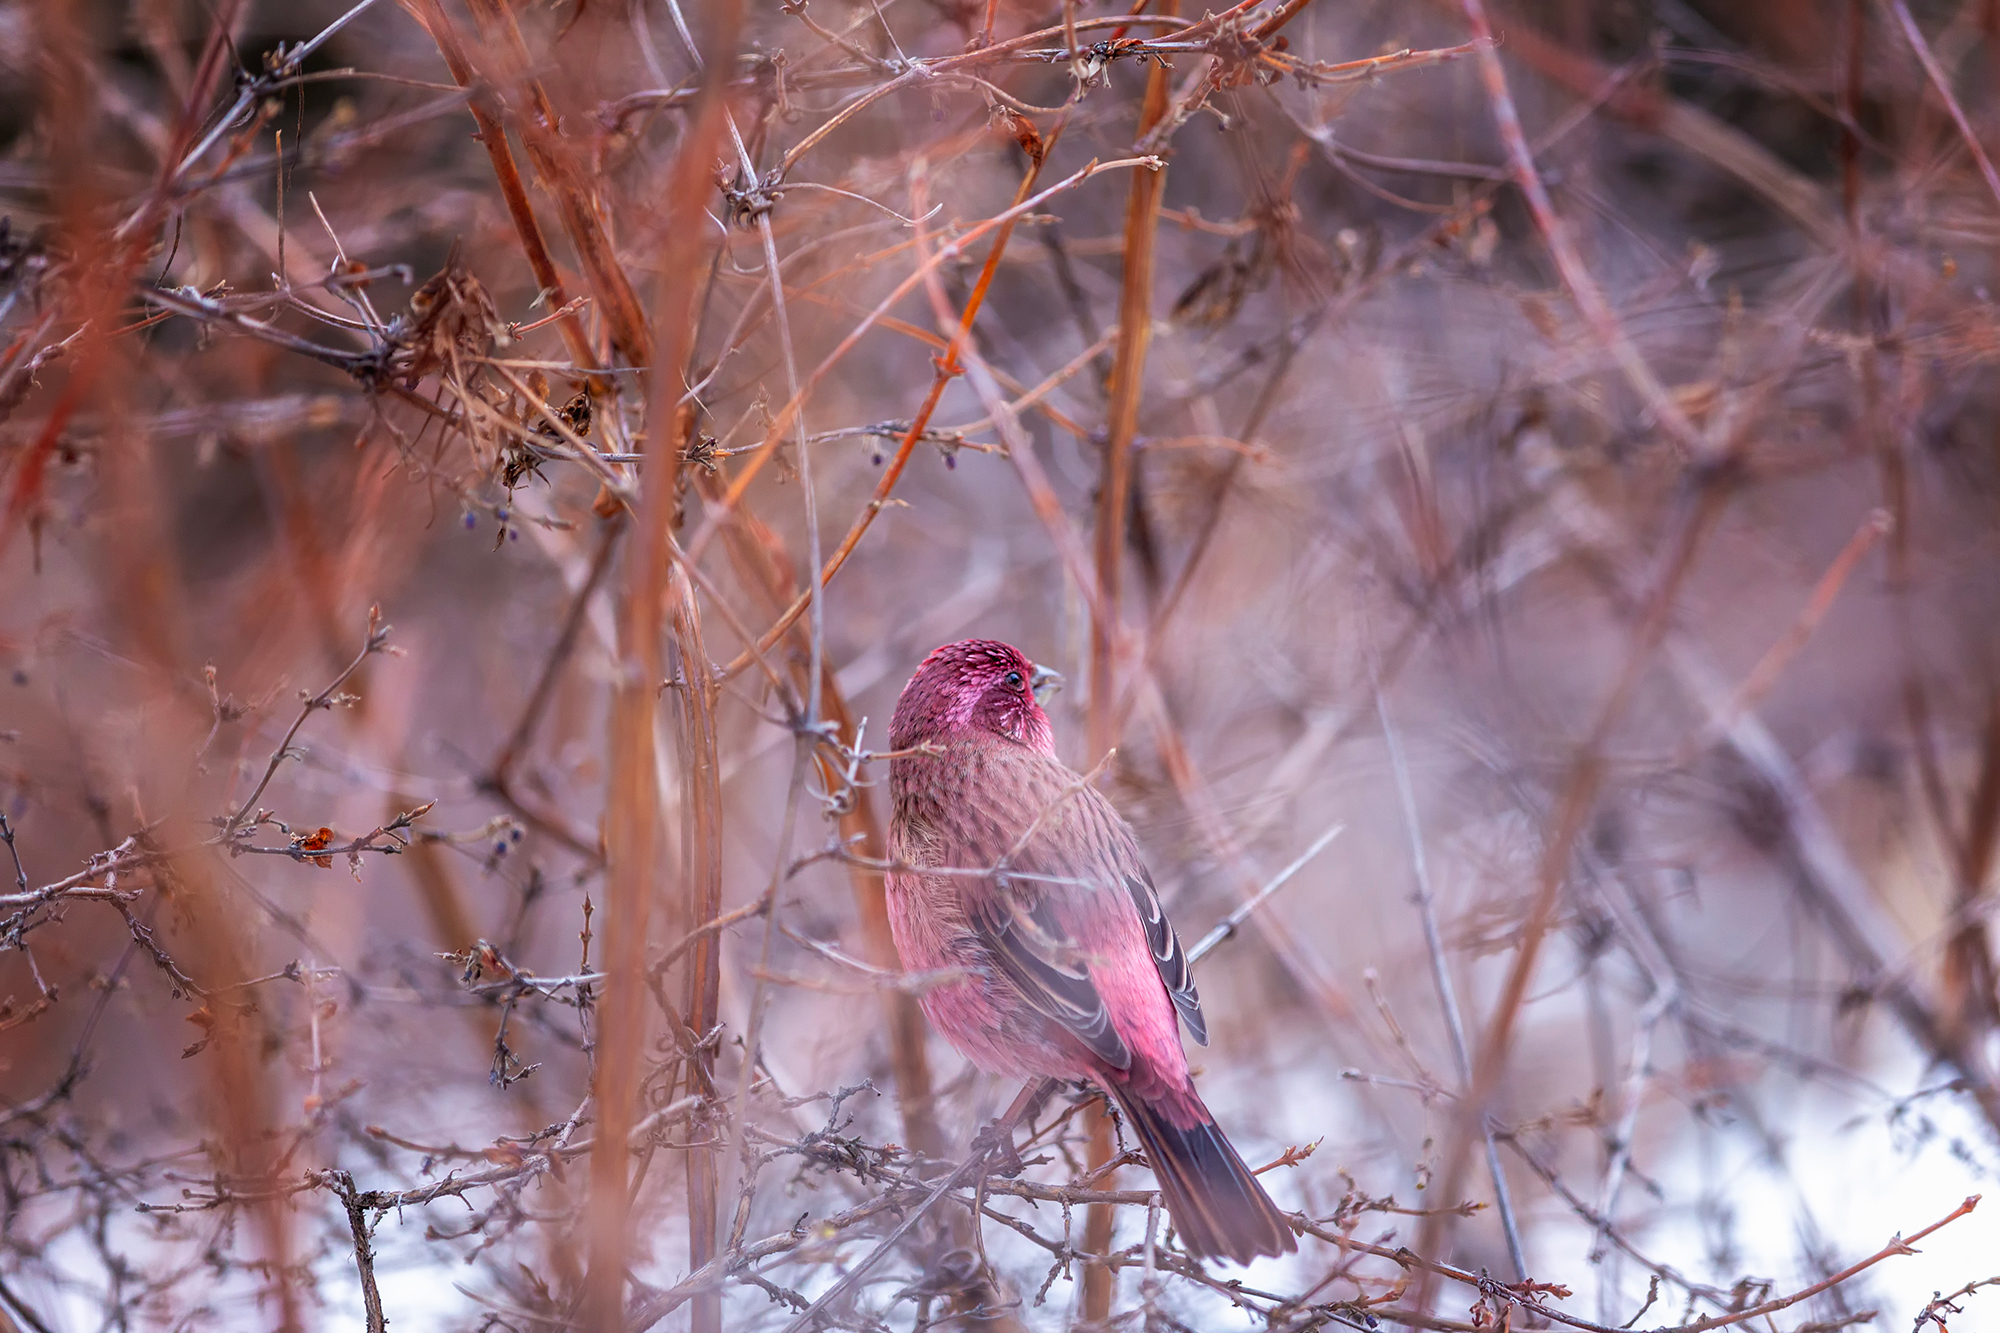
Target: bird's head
[(975, 685)]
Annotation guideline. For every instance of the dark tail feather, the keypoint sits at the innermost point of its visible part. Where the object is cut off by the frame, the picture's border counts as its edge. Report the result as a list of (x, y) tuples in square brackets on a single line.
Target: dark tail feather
[(1218, 1207)]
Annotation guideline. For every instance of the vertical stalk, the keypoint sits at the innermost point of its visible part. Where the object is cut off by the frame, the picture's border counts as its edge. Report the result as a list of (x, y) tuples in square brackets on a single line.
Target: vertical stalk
[(1128, 373), (148, 599), (703, 786), (632, 845), (633, 807)]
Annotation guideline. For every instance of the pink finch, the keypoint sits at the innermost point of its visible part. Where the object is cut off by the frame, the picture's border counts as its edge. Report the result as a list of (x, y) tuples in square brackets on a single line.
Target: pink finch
[(1014, 869)]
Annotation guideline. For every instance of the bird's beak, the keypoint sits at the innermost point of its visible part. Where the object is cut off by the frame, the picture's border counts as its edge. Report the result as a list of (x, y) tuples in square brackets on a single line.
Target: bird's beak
[(1045, 682)]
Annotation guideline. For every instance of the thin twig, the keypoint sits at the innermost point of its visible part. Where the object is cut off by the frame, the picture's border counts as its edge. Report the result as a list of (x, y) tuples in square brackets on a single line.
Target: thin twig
[(373, 642), (1226, 928), (1426, 901), (1900, 12)]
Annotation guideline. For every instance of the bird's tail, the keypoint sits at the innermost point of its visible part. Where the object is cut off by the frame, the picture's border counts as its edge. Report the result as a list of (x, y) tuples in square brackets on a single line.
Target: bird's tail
[(1218, 1207)]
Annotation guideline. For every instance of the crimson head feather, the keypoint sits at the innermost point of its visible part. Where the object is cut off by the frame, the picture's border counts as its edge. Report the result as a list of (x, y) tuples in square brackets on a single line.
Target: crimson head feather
[(970, 687)]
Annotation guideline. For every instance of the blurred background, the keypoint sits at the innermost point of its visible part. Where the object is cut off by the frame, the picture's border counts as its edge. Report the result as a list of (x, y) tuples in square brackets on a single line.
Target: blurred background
[(1534, 463)]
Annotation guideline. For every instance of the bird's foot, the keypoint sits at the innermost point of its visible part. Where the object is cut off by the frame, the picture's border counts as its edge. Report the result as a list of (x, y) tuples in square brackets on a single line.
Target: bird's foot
[(996, 1144)]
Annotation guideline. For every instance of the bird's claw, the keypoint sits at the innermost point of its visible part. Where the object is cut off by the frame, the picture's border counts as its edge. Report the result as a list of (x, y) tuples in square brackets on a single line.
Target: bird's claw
[(996, 1144)]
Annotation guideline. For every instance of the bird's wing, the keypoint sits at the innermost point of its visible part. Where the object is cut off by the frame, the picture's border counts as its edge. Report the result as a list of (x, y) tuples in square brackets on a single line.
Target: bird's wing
[(1058, 905), (1168, 956), (1046, 965)]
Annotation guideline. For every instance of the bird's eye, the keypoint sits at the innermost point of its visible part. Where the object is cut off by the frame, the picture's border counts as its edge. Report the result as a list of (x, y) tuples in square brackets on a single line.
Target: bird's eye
[(1013, 680)]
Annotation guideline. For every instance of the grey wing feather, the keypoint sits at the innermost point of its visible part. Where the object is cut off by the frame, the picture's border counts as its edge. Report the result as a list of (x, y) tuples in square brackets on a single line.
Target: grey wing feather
[(1029, 946), (1172, 960), (1038, 954)]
